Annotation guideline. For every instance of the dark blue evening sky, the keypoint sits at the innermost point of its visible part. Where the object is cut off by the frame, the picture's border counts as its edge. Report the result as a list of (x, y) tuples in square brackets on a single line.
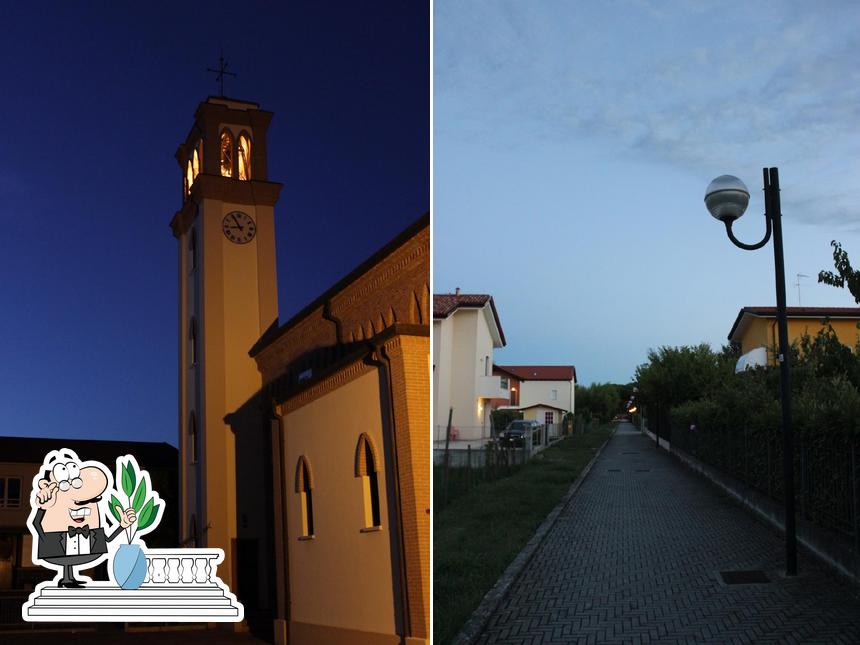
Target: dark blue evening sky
[(96, 99)]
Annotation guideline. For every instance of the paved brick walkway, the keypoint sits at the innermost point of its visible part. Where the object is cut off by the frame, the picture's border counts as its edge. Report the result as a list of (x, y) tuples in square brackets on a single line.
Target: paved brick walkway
[(635, 559)]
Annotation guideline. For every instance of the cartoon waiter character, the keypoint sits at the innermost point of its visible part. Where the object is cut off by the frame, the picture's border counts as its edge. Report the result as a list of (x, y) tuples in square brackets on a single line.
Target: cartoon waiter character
[(66, 516)]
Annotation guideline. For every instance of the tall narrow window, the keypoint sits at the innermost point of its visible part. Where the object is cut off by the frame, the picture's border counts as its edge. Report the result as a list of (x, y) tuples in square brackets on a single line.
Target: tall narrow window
[(226, 154), (195, 164), (193, 530), (192, 250), (192, 437), (192, 338), (486, 366), (189, 178), (243, 154), (304, 487), (366, 467)]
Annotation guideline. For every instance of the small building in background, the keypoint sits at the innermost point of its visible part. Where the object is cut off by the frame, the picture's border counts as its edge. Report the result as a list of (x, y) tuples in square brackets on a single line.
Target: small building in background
[(755, 327), (547, 391), (466, 330)]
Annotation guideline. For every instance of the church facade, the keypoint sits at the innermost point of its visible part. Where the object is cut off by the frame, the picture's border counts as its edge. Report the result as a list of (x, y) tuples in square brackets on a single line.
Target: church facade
[(303, 444)]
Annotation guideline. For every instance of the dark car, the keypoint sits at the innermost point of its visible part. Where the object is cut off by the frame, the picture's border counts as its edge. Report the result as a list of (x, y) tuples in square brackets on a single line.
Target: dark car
[(514, 435)]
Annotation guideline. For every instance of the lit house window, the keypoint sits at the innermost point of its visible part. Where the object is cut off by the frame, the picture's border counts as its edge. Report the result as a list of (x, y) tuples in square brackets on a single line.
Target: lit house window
[(226, 154), (243, 155), (304, 487), (366, 467), (10, 492), (192, 437)]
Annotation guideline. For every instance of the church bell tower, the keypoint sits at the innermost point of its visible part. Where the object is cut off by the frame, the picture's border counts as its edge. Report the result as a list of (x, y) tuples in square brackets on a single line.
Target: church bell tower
[(227, 299)]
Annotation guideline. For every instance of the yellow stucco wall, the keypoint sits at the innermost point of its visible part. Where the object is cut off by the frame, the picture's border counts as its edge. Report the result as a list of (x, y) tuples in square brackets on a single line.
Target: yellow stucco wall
[(342, 577), (762, 332)]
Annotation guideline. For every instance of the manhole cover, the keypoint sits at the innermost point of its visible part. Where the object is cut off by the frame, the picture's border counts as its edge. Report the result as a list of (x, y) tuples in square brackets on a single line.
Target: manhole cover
[(744, 577)]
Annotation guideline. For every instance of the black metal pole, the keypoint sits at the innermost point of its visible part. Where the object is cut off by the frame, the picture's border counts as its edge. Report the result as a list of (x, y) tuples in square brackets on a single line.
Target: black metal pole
[(774, 214)]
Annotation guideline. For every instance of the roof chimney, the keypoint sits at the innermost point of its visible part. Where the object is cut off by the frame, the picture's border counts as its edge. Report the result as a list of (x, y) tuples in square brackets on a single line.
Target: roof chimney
[(457, 291)]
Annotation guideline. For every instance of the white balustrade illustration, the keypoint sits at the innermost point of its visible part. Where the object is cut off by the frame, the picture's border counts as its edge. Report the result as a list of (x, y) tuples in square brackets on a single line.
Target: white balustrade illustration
[(181, 585)]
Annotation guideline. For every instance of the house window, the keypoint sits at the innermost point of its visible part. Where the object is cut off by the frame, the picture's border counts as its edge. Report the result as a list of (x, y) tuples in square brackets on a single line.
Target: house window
[(10, 492), (549, 418), (243, 156), (304, 487), (553, 395), (366, 467), (504, 382), (192, 437), (486, 366), (226, 154), (192, 337)]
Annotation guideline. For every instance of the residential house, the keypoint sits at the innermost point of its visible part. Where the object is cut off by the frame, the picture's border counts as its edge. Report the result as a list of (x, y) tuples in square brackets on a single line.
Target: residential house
[(755, 328), (544, 393), (466, 330)]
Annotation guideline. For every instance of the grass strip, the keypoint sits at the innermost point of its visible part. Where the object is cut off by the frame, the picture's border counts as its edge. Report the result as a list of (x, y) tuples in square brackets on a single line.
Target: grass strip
[(478, 535)]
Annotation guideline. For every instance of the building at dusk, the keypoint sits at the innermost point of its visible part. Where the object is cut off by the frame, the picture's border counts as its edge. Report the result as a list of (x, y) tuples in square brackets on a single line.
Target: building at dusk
[(303, 444)]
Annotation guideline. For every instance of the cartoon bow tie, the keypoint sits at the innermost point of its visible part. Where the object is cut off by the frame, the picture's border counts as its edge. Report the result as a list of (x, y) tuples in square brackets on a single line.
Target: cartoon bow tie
[(79, 530)]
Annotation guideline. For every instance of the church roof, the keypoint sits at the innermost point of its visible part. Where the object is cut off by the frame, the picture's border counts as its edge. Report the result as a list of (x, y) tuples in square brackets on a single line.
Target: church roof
[(275, 331)]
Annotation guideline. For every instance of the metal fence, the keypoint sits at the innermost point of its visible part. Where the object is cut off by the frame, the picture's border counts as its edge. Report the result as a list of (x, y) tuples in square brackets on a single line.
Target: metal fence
[(465, 463), (826, 469)]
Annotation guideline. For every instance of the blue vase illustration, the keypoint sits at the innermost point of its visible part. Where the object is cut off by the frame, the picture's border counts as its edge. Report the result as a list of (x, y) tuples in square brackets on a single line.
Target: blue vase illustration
[(129, 566)]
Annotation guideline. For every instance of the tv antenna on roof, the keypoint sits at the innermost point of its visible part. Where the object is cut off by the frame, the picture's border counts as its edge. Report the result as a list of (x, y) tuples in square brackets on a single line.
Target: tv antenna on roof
[(221, 72), (797, 284)]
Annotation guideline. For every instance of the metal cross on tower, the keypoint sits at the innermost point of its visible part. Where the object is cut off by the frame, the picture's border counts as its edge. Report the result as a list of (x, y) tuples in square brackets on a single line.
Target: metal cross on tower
[(221, 71)]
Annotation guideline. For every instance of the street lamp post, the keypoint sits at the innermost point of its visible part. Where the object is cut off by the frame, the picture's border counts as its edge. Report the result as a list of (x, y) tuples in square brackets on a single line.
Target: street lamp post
[(727, 198)]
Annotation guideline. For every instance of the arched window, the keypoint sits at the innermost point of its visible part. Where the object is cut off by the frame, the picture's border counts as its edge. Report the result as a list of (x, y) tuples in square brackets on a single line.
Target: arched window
[(243, 154), (195, 164), (304, 487), (189, 178), (366, 467), (192, 437), (226, 154), (192, 337)]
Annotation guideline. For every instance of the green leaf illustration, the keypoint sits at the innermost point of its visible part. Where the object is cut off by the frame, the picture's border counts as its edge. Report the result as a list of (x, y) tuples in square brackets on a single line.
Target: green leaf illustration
[(114, 502), (143, 520), (127, 480), (139, 496), (151, 517)]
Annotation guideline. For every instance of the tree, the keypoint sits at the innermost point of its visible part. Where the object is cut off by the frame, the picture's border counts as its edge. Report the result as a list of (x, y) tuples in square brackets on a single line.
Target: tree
[(845, 276)]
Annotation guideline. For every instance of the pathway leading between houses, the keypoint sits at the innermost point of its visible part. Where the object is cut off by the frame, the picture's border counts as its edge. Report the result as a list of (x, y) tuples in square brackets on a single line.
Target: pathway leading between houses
[(636, 558)]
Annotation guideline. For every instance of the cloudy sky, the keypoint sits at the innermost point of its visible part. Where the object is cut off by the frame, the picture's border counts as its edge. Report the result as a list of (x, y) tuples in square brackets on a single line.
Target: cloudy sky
[(573, 143)]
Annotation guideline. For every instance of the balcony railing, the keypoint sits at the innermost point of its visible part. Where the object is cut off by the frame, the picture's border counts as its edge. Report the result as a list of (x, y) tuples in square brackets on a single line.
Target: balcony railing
[(490, 387)]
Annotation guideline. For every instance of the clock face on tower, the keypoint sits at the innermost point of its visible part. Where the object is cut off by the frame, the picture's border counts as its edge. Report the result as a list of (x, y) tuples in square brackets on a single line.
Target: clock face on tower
[(238, 227)]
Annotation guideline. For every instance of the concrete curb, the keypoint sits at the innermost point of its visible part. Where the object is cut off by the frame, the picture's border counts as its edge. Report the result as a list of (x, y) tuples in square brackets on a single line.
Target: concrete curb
[(490, 602), (815, 540)]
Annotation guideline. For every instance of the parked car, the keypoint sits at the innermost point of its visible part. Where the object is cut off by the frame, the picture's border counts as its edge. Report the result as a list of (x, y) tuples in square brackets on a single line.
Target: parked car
[(514, 435)]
